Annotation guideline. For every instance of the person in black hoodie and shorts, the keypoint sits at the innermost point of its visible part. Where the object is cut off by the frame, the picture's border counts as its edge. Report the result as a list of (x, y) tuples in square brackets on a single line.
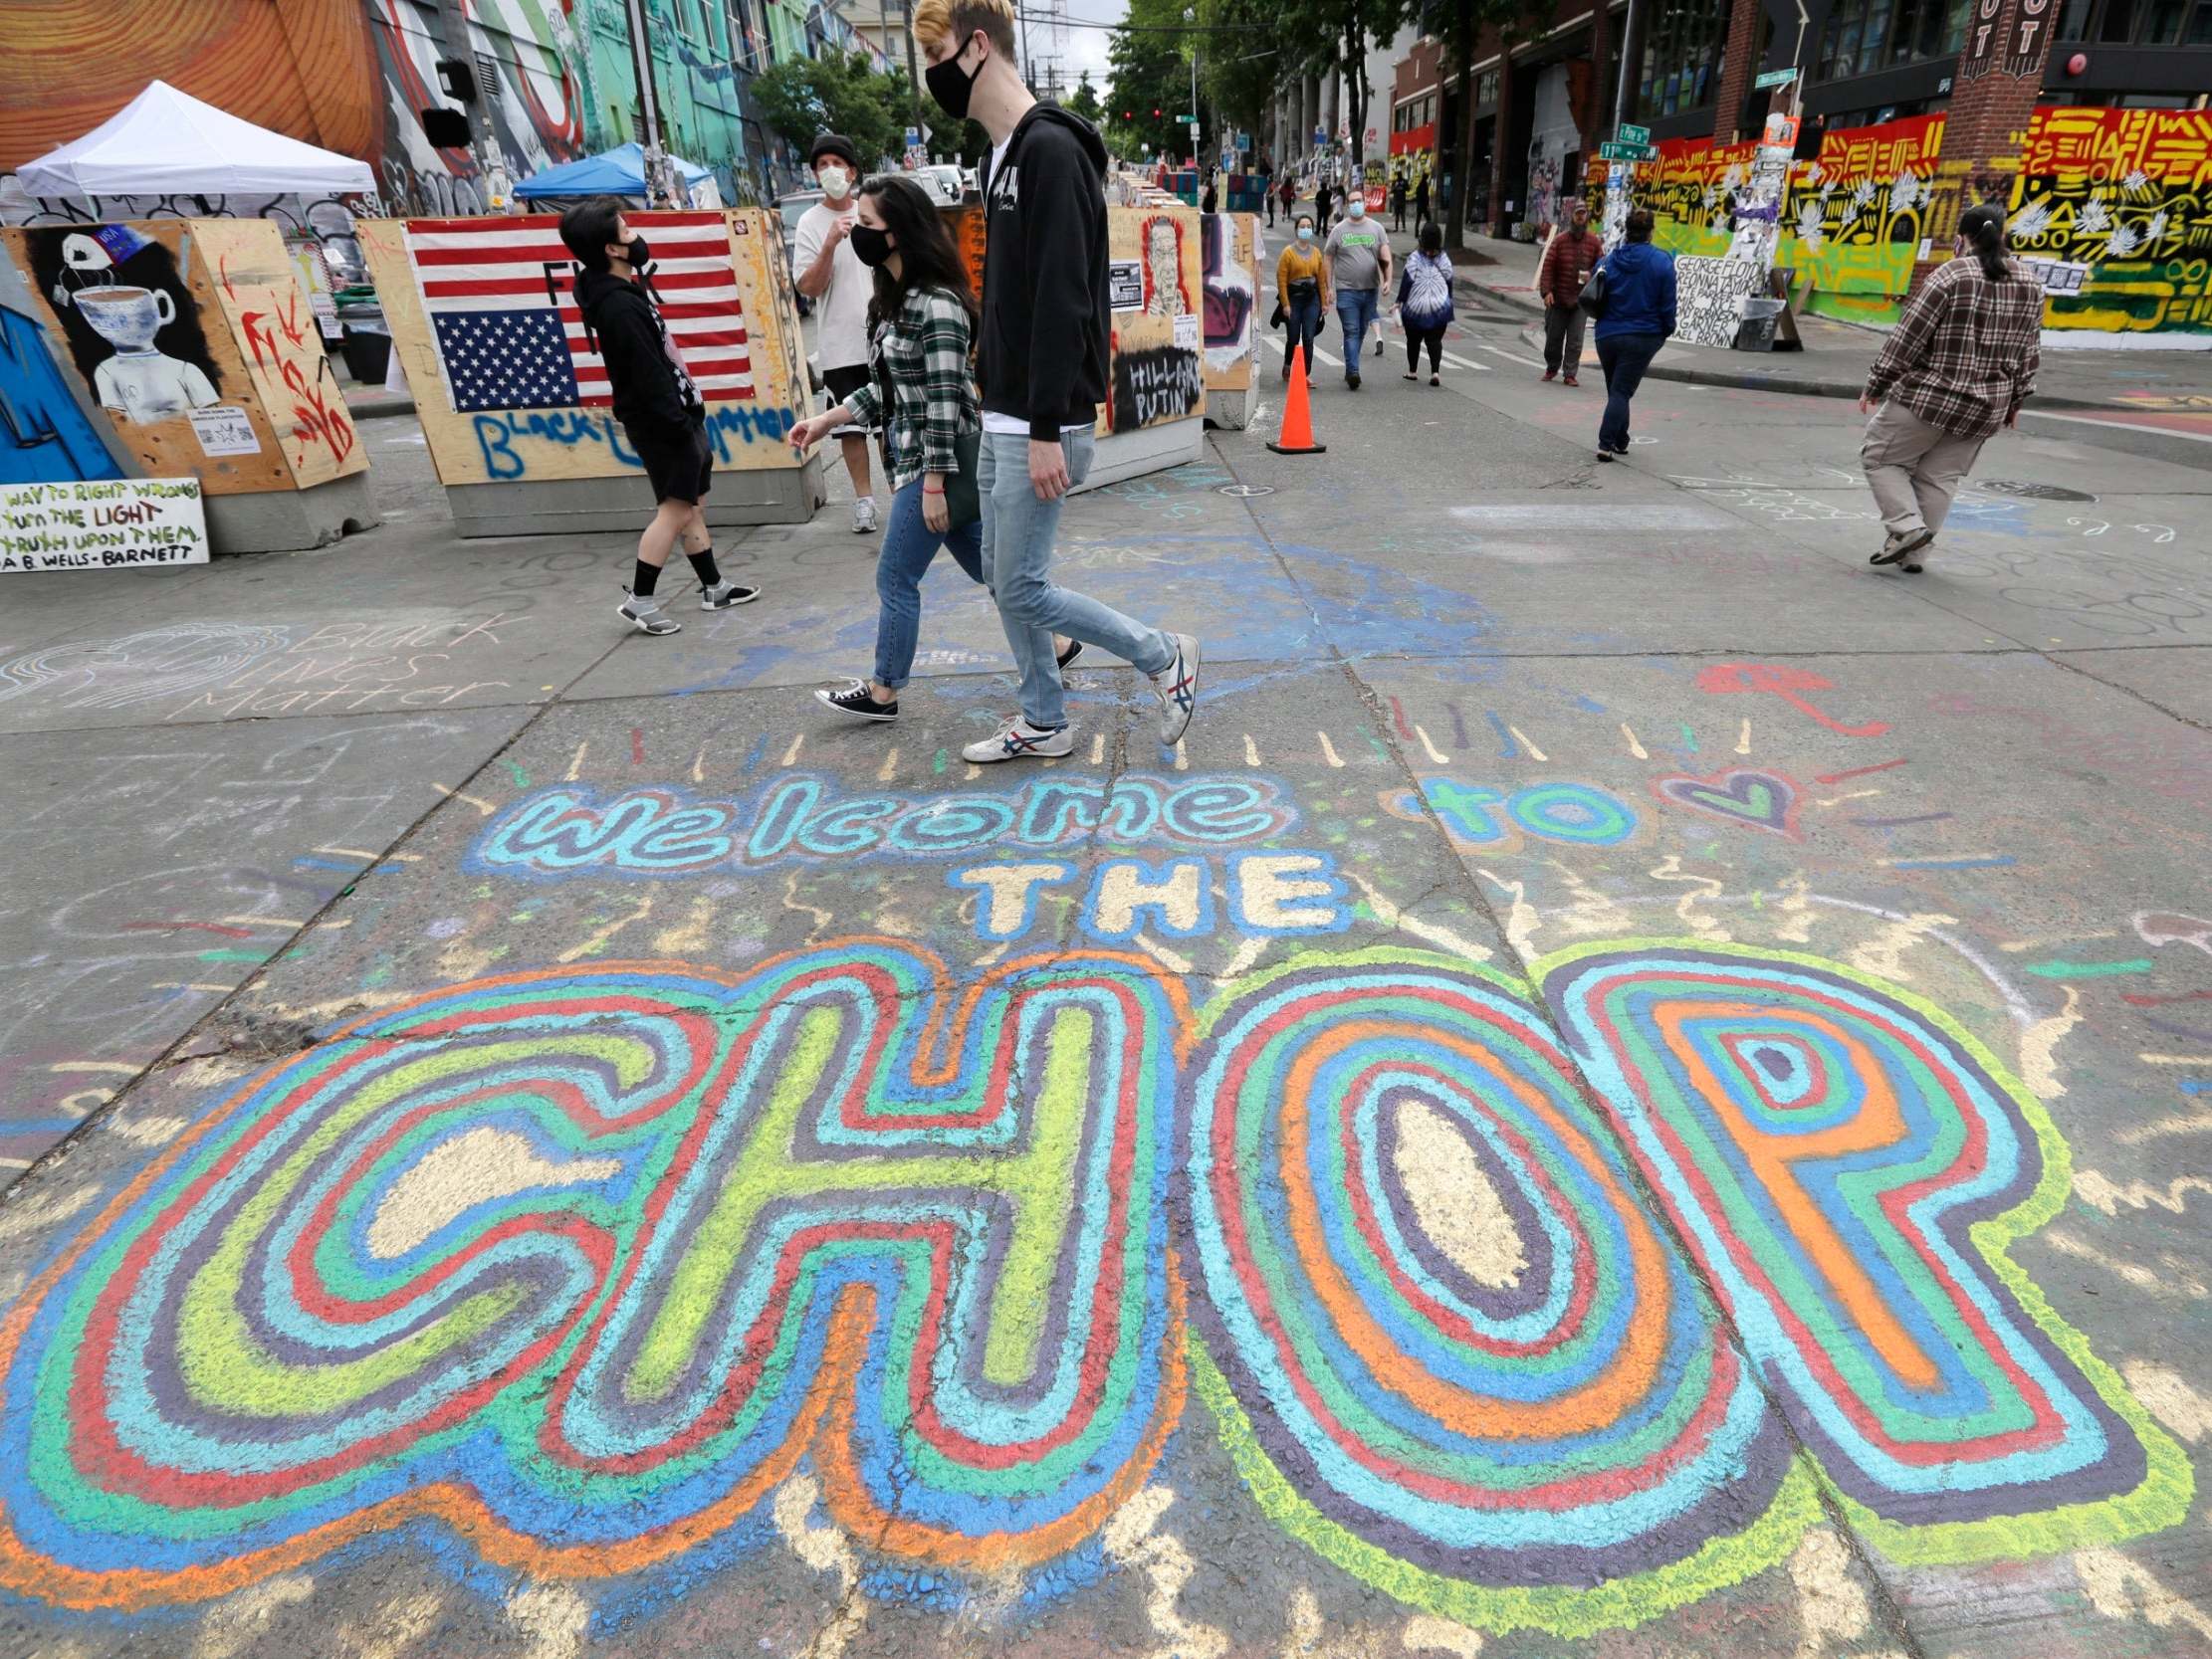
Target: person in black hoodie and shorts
[(1043, 368), (661, 411)]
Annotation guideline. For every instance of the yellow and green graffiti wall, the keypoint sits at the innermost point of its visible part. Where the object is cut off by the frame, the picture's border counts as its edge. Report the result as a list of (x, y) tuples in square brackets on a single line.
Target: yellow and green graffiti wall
[(2113, 208)]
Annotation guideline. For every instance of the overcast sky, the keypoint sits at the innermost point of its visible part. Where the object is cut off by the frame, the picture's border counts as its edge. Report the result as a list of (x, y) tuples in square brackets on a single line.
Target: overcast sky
[(1086, 48)]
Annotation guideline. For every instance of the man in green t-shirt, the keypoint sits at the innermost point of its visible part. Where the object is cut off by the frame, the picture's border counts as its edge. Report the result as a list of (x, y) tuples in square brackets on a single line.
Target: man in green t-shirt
[(1359, 269)]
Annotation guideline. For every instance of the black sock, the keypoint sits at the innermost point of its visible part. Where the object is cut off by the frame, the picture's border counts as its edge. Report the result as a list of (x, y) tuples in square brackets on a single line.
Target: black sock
[(703, 567), (647, 579)]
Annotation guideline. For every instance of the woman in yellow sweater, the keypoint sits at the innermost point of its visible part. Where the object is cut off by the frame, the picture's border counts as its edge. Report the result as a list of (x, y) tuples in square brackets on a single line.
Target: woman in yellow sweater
[(1302, 288)]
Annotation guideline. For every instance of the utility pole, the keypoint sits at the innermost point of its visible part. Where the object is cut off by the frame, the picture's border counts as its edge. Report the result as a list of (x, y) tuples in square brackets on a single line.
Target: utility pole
[(1190, 16), (660, 177), (913, 75)]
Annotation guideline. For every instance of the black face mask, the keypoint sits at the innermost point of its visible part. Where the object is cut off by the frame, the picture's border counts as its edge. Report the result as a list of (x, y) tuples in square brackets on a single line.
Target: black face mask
[(870, 246), (639, 253), (951, 86)]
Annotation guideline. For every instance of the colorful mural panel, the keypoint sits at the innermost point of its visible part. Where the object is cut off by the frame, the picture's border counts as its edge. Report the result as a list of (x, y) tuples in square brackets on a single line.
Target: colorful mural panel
[(2113, 208), (197, 342), (727, 307)]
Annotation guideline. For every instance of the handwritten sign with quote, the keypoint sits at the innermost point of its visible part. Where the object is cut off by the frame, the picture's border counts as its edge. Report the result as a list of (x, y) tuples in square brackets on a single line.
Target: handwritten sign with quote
[(103, 526)]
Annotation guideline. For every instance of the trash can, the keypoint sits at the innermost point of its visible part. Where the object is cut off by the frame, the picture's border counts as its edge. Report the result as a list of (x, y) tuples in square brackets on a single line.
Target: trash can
[(368, 354), (1757, 331)]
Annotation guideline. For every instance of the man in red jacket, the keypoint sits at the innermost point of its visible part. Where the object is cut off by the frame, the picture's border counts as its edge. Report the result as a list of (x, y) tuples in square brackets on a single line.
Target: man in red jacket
[(1573, 253)]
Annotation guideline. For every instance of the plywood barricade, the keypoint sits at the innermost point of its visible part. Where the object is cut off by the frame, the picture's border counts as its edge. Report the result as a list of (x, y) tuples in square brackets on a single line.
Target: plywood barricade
[(515, 404), (180, 349)]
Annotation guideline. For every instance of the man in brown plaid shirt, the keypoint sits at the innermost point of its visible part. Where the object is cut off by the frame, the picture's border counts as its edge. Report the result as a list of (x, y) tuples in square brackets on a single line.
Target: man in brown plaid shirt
[(1959, 365)]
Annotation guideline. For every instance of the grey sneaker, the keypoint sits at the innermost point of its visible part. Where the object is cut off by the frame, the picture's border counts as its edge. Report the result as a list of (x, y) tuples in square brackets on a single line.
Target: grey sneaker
[(1898, 550), (647, 617), (723, 595), (864, 515), (1177, 687), (1017, 740)]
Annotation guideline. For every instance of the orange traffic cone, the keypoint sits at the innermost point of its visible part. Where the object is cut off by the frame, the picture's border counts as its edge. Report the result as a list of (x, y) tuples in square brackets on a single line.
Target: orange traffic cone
[(1297, 420)]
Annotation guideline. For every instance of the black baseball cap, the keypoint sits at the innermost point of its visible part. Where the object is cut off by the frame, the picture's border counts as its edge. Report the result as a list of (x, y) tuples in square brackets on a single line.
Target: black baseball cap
[(832, 143)]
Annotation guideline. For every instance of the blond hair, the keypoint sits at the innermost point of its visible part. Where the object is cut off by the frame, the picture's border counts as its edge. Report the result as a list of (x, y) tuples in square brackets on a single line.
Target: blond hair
[(934, 20)]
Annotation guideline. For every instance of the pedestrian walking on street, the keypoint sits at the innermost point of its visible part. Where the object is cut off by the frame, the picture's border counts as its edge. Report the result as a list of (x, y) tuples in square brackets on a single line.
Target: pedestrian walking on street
[(1424, 304), (1322, 200), (1638, 316), (1044, 372), (1302, 289), (1359, 269), (918, 390), (1573, 253), (1398, 202), (840, 286), (661, 411), (1960, 363), (1420, 201)]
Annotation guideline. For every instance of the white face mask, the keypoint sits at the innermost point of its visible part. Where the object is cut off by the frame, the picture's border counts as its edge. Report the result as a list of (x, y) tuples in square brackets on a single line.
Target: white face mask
[(1305, 233), (835, 181), (1356, 210)]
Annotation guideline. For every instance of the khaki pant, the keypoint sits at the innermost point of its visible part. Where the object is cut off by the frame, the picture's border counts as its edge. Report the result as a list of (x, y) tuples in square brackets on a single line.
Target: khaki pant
[(1913, 469)]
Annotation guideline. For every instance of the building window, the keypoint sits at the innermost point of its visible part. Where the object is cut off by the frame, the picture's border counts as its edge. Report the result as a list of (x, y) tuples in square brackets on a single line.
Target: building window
[(1681, 61), (1868, 35), (2138, 22)]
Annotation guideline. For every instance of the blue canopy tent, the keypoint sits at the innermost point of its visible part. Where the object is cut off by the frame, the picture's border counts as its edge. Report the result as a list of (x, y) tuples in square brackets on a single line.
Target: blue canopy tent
[(617, 172)]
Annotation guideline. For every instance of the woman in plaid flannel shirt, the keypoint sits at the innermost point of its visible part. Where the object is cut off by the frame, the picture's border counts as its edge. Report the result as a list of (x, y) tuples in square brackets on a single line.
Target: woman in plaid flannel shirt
[(922, 322), (1959, 365)]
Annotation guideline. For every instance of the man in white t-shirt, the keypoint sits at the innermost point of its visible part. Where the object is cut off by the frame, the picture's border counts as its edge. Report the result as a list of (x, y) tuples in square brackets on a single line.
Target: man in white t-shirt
[(830, 274)]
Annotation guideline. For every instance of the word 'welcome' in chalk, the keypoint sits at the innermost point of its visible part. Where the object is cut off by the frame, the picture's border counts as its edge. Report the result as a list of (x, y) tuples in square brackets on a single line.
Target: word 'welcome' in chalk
[(653, 831)]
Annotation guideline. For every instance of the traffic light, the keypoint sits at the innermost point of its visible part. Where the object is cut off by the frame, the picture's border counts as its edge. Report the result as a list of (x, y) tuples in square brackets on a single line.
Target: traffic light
[(1156, 114), (1128, 115)]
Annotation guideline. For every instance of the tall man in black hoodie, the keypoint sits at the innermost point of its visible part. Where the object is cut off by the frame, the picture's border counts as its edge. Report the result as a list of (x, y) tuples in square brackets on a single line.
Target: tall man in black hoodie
[(659, 407), (1043, 365)]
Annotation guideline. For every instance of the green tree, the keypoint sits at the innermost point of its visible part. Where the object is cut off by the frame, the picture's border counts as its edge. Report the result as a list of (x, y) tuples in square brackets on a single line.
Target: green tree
[(1239, 62), (1084, 101), (1151, 87), (804, 96), (1322, 36)]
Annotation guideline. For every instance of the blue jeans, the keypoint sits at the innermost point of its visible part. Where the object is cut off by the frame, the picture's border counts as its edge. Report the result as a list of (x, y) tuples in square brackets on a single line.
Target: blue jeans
[(1019, 532), (1305, 324), (1624, 358), (908, 546), (1355, 309)]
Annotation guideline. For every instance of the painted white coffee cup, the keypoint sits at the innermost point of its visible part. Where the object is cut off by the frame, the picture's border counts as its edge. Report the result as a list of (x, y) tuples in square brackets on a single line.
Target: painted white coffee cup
[(126, 318)]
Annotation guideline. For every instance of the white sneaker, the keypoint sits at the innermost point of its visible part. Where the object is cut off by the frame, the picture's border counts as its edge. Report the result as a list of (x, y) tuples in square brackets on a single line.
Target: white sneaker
[(1177, 687), (647, 617), (864, 515), (1017, 740)]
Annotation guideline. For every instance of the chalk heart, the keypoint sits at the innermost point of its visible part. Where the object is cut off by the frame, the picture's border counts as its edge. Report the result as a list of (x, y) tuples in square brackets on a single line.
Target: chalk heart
[(1761, 801)]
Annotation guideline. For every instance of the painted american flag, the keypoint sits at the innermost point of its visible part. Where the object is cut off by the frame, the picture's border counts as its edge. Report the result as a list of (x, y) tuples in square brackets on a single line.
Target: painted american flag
[(498, 294)]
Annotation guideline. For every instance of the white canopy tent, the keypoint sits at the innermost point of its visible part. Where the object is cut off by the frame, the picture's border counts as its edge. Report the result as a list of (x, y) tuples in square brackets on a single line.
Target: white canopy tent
[(167, 142)]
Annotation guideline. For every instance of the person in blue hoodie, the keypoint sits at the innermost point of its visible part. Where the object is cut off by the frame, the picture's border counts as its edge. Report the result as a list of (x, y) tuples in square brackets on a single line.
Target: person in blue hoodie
[(1638, 316)]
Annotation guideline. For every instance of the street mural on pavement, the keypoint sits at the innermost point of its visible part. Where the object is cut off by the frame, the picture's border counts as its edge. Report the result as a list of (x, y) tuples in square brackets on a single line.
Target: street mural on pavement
[(910, 1167)]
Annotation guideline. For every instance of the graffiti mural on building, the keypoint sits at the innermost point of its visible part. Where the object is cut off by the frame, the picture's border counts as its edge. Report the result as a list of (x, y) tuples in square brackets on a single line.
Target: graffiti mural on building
[(2127, 193), (2109, 208), (581, 1264)]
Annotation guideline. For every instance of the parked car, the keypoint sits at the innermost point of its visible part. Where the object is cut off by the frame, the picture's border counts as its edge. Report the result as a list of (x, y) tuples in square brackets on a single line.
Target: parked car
[(944, 183), (792, 208)]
